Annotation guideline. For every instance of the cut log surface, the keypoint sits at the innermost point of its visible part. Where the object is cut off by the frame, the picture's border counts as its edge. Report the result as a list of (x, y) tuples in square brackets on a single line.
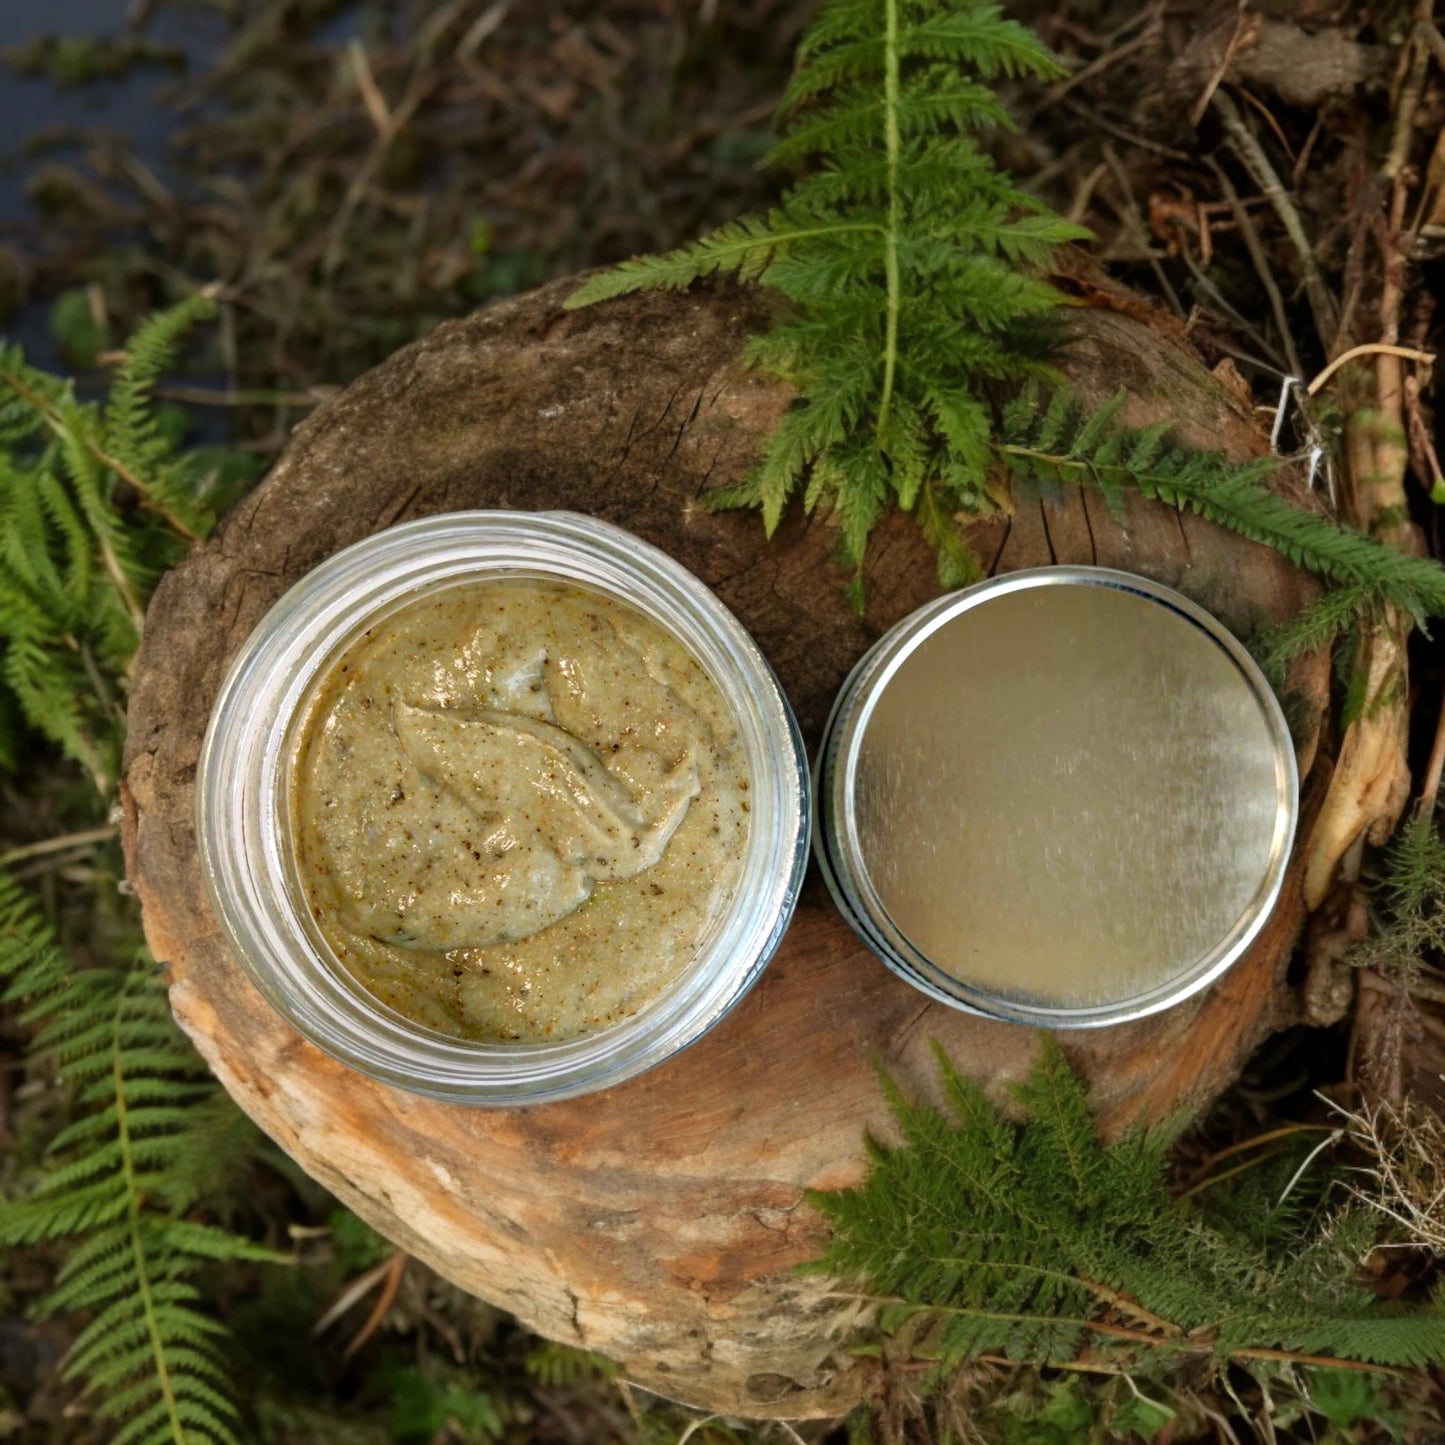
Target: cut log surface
[(659, 1222)]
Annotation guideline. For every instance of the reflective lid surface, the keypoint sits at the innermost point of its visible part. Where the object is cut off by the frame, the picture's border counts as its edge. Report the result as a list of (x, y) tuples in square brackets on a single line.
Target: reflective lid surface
[(1066, 791)]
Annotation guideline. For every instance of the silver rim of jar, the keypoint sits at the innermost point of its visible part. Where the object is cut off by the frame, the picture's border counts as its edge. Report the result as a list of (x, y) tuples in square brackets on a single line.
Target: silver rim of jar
[(838, 849), (242, 803)]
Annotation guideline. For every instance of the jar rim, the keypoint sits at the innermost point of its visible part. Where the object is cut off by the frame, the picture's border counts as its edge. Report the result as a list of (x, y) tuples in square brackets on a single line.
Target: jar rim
[(243, 776)]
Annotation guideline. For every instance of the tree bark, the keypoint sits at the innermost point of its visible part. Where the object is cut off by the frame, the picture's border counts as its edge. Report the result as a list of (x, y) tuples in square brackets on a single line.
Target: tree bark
[(658, 1223)]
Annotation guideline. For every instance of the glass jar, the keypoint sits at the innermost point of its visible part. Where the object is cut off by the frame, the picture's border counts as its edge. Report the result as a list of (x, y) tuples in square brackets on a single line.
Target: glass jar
[(243, 802)]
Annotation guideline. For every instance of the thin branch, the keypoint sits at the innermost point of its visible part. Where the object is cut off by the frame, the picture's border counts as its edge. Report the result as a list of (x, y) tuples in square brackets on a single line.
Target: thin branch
[(695, 1426), (1135, 218), (1210, 1180), (1284, 1132), (1243, 143), (1257, 255), (62, 844), (357, 1290), (1105, 60), (1245, 33), (1121, 1332), (1430, 786), (1309, 1159), (236, 396), (395, 1269), (1370, 348), (1082, 1367), (1329, 1362), (371, 95)]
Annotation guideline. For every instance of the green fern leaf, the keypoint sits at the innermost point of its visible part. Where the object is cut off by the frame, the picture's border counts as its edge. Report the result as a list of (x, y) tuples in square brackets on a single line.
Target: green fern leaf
[(743, 248), (1031, 1240), (909, 260), (149, 1355), (1095, 450), (977, 36)]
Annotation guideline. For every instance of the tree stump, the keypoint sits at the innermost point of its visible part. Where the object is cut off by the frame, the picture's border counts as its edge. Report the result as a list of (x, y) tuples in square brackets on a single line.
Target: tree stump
[(657, 1223)]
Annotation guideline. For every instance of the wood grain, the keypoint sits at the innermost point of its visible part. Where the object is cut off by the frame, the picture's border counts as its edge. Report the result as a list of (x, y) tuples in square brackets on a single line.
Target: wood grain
[(657, 1222)]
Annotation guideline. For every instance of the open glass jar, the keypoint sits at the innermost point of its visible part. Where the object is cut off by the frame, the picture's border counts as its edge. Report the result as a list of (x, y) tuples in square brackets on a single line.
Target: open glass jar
[(246, 802)]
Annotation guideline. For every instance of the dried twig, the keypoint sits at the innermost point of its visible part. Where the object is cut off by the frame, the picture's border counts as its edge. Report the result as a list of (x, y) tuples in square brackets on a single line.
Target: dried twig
[(1406, 1176), (388, 1274), (356, 1290), (1245, 33), (1133, 217), (1262, 267), (484, 25), (391, 1282), (1369, 348), (371, 95), (1105, 60), (1243, 143), (1119, 132), (66, 843)]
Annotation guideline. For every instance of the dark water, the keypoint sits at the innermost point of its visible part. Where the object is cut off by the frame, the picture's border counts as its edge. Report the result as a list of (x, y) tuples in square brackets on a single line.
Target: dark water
[(35, 105), (42, 120)]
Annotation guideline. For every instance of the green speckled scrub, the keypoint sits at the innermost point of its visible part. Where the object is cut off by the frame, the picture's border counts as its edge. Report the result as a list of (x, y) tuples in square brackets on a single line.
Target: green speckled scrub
[(519, 807)]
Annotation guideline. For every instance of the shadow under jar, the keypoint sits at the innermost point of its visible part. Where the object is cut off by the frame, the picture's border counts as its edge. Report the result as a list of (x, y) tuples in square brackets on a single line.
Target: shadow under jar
[(1063, 797), (502, 807)]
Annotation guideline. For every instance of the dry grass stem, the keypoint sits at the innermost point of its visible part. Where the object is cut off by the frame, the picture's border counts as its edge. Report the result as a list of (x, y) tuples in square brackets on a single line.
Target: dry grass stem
[(1405, 1180), (1243, 143)]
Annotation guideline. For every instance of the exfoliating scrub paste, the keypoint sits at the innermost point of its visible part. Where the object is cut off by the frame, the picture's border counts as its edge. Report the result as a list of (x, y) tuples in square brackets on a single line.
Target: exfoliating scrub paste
[(519, 808)]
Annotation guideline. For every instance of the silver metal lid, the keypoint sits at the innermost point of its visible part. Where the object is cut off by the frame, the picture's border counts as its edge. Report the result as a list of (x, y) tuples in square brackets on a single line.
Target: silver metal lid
[(1064, 797)]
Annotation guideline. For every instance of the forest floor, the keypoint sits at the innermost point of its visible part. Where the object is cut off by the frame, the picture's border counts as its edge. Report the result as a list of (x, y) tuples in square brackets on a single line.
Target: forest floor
[(352, 173)]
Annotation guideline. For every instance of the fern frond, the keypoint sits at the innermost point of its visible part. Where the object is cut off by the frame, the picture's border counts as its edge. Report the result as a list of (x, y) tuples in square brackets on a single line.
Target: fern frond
[(1031, 1240), (49, 699), (1337, 612), (77, 557), (838, 21), (977, 36), (832, 67), (743, 248), (148, 1352), (556, 1366), (1070, 446), (1409, 898), (128, 430), (27, 398), (908, 256), (906, 252)]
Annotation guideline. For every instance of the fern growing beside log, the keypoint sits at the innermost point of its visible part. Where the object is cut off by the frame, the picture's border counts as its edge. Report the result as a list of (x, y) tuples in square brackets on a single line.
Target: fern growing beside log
[(1036, 1242), (95, 502), (96, 499), (914, 276), (911, 261), (117, 1183)]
